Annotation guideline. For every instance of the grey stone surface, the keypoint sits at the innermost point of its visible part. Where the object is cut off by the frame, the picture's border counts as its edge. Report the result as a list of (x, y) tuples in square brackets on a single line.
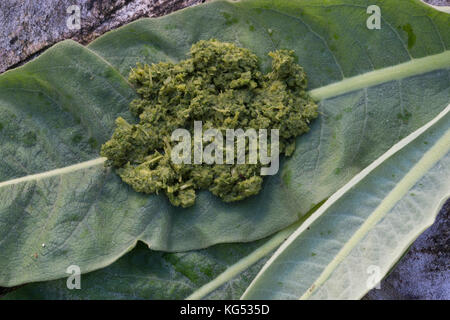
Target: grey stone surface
[(438, 2), (28, 27)]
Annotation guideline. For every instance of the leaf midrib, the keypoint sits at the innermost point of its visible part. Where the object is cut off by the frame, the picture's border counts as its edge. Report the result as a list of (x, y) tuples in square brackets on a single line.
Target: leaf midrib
[(429, 159), (55, 172), (373, 78), (436, 152)]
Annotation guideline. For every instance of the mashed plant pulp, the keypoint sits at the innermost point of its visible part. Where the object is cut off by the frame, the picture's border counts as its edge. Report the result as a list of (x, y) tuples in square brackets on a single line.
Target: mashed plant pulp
[(221, 85)]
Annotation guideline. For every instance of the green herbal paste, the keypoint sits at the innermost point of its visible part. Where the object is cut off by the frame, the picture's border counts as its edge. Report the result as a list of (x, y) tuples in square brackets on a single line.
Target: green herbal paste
[(222, 86)]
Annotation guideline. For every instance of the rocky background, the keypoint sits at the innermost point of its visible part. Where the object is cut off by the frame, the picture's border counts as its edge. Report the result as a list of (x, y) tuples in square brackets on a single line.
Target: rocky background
[(28, 27)]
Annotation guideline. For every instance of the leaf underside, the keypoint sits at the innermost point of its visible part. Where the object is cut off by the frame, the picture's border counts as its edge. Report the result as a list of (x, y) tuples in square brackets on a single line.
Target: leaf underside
[(57, 110)]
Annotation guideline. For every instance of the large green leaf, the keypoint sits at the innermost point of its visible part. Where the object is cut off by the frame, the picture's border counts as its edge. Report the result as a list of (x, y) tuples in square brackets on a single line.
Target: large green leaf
[(376, 225), (147, 274), (363, 229), (222, 271), (374, 87), (142, 274)]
